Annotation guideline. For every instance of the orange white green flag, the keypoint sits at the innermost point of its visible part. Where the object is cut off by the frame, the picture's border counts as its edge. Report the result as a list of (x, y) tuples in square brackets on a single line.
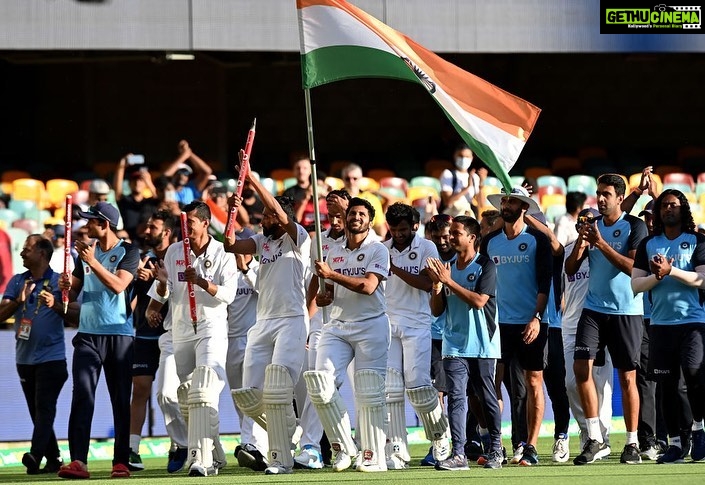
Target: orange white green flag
[(339, 41)]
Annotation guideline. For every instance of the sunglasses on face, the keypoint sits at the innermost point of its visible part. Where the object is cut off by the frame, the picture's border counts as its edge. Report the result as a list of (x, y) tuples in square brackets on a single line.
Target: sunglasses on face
[(586, 219)]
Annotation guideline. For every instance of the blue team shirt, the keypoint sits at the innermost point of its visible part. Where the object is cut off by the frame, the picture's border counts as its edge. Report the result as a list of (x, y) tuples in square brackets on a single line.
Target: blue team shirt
[(674, 303), (46, 339), (610, 289), (553, 314), (437, 323), (524, 269), (102, 311), (470, 332)]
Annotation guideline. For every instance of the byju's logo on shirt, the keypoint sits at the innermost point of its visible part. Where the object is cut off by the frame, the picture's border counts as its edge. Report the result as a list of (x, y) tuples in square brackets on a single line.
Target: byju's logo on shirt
[(521, 258)]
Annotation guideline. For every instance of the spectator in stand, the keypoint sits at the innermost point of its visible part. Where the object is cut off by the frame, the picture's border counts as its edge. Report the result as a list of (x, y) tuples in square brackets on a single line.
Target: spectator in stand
[(565, 225), (302, 193), (57, 235), (189, 182), (351, 175), (135, 207), (460, 186), (166, 196)]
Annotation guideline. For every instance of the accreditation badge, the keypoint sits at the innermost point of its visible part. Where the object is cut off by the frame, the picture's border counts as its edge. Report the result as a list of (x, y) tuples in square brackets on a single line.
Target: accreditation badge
[(25, 329)]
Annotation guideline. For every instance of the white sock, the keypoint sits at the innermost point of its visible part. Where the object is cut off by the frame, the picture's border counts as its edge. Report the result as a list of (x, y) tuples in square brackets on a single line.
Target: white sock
[(593, 429), (632, 437), (135, 442), (697, 425), (675, 441)]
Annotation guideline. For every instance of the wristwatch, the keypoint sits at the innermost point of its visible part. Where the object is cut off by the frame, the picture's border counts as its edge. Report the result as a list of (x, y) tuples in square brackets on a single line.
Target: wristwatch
[(538, 316)]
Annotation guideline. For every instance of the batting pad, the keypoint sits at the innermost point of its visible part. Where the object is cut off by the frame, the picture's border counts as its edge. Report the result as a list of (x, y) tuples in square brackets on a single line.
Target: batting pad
[(203, 415), (249, 400), (182, 395), (396, 429), (278, 399), (425, 401), (331, 409), (370, 400)]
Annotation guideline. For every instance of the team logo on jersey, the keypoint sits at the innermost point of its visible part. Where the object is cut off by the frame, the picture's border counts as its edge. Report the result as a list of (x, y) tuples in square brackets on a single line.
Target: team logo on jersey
[(495, 259), (265, 247), (87, 269), (412, 255), (685, 245), (208, 264), (523, 246), (113, 258), (616, 233), (471, 277), (360, 257)]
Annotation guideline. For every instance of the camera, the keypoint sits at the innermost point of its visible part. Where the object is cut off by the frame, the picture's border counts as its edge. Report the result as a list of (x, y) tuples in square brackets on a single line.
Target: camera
[(135, 159)]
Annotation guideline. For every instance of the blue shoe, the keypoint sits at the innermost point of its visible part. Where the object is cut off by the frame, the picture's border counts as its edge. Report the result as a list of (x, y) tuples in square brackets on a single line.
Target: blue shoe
[(428, 460), (177, 459), (309, 458), (530, 456)]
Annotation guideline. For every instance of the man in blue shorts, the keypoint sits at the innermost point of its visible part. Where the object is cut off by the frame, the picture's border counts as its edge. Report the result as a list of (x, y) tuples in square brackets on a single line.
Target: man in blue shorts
[(612, 314)]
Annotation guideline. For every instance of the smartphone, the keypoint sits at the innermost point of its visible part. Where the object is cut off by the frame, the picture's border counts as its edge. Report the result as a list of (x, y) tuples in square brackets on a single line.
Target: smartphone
[(135, 159)]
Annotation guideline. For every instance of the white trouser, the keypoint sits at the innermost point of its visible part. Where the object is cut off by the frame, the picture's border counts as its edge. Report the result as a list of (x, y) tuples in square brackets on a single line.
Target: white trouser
[(167, 381)]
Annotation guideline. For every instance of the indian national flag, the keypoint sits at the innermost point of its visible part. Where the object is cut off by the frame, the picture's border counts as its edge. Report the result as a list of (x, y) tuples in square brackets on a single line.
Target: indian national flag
[(340, 41)]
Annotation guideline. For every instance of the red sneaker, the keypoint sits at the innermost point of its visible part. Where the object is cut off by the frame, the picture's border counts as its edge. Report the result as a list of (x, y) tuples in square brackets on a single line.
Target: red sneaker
[(75, 469), (120, 471)]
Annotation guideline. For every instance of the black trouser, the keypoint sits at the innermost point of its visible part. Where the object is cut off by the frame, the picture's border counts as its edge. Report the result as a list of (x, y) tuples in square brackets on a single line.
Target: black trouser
[(91, 354), (554, 377), (646, 428), (42, 384), (515, 383)]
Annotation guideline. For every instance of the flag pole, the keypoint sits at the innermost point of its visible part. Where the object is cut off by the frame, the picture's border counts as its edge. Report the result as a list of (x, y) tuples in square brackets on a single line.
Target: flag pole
[(314, 196)]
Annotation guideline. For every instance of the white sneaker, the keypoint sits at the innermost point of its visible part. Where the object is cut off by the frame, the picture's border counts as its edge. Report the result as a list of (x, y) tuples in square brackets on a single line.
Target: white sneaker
[(395, 462), (441, 449), (561, 451), (276, 468), (518, 454), (309, 457), (369, 463), (197, 469), (341, 460)]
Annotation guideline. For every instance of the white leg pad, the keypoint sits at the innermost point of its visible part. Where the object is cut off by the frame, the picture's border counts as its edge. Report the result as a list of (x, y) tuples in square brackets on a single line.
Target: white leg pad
[(182, 395), (331, 410), (396, 429), (249, 400), (278, 399), (203, 415), (371, 401), (427, 406)]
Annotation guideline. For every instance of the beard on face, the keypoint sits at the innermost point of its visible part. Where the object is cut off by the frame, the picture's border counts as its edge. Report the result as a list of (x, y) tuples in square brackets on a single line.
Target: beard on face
[(509, 216), (363, 228), (268, 230)]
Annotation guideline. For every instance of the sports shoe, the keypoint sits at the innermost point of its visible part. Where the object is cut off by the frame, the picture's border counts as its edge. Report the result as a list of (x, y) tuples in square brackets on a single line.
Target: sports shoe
[(561, 451), (250, 457), (341, 460), (630, 454), (697, 451), (428, 460), (368, 463), (494, 460), (198, 469), (395, 462), (482, 460), (52, 465), (75, 469), (592, 451), (309, 457), (120, 471), (276, 468), (650, 452), (441, 449), (674, 454), (454, 463), (135, 462), (517, 453), (473, 450), (31, 463), (177, 459), (530, 456)]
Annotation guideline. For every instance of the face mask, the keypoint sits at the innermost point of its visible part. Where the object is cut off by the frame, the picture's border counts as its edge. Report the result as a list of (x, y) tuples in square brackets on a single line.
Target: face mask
[(463, 163)]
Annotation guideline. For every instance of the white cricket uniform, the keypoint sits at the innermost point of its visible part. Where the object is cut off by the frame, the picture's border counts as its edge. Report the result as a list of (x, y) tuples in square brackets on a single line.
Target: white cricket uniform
[(409, 313), (167, 382), (279, 336), (208, 346), (242, 315), (358, 326), (310, 423), (574, 293)]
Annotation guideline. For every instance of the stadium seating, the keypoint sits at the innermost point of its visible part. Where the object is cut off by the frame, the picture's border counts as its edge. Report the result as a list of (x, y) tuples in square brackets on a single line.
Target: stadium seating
[(700, 189), (557, 183), (288, 182), (281, 173), (679, 178), (425, 181), (552, 212), (662, 170), (396, 182), (335, 183), (492, 182), (368, 184), (12, 175), (582, 183), (8, 216), (536, 172), (552, 199), (379, 173), (17, 238), (270, 184), (29, 225), (58, 189), (635, 180), (421, 192), (392, 194), (21, 207), (435, 167), (28, 189)]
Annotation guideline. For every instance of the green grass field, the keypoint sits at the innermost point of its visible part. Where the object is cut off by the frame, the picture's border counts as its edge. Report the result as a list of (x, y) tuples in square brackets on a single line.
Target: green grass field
[(605, 471)]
